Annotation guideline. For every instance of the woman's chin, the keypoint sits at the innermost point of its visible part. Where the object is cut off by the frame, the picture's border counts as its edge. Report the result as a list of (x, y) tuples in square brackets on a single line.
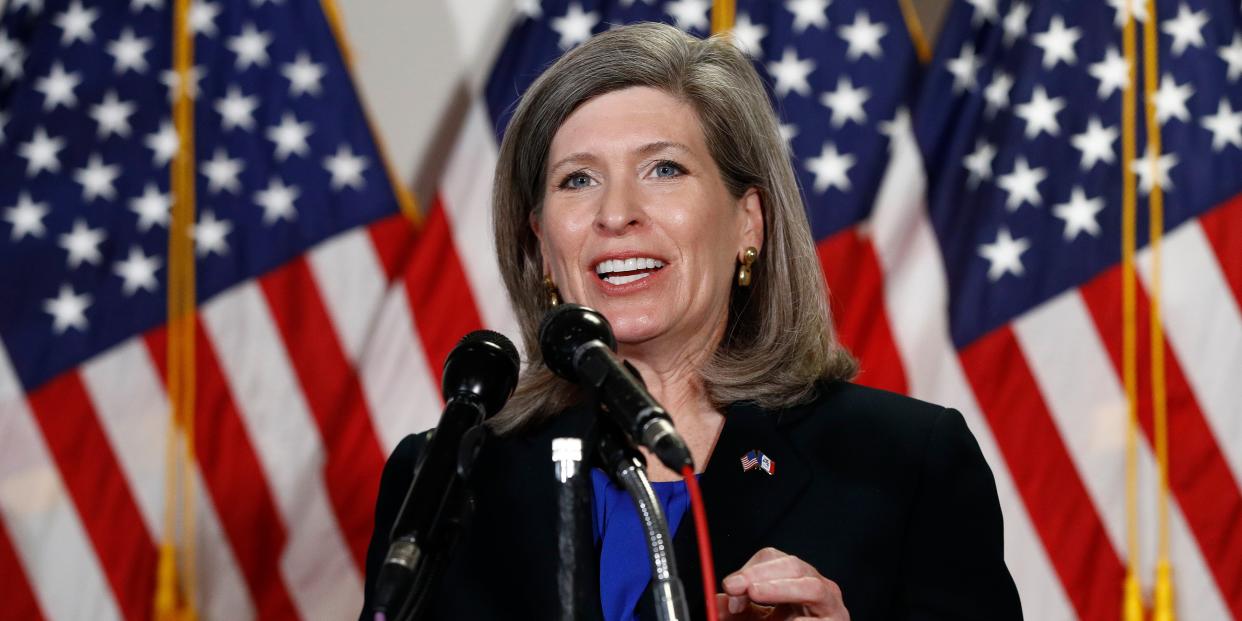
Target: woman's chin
[(633, 330)]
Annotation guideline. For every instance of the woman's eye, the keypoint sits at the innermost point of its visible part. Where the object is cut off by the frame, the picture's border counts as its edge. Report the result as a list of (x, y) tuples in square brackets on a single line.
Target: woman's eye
[(576, 181), (667, 169)]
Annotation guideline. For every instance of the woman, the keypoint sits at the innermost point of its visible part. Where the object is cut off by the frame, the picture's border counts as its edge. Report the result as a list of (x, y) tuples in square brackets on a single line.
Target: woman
[(644, 175)]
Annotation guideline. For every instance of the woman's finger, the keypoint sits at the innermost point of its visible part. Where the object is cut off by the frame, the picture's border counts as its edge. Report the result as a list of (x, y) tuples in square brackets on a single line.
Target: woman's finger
[(815, 594), (764, 555), (778, 568), (742, 609), (737, 582), (731, 604), (737, 603)]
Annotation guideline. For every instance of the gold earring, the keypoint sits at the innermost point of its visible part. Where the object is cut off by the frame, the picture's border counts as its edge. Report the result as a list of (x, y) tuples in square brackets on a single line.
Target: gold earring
[(743, 270), (554, 296)]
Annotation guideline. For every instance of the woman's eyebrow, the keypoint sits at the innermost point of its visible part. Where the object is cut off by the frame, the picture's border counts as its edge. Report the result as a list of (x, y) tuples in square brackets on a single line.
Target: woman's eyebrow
[(662, 145), (579, 157), (644, 150)]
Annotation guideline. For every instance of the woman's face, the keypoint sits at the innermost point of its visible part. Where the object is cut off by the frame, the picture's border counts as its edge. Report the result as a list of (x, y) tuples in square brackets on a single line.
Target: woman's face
[(636, 220)]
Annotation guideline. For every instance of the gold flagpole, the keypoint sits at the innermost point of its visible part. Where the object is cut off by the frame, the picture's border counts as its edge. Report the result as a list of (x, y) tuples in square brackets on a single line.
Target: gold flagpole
[(175, 595), (1163, 596), (723, 12)]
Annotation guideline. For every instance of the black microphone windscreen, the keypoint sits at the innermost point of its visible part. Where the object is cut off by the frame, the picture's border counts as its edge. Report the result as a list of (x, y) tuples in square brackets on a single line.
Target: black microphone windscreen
[(566, 328), (484, 363)]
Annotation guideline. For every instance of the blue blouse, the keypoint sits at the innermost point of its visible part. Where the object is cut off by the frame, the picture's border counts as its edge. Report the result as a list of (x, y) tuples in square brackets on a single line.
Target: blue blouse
[(624, 567)]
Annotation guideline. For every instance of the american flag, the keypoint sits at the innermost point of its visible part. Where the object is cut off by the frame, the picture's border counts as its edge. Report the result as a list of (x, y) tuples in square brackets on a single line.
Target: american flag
[(310, 364), (750, 461)]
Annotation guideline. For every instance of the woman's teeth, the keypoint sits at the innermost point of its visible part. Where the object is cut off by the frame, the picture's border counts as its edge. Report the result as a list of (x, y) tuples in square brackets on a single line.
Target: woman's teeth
[(621, 280), (622, 271)]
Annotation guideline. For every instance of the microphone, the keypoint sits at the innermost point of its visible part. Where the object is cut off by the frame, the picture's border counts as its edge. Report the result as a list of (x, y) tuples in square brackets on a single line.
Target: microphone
[(578, 345), (479, 377)]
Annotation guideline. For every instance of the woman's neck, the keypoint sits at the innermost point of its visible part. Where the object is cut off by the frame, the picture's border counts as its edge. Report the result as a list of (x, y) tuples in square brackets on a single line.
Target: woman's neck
[(675, 381)]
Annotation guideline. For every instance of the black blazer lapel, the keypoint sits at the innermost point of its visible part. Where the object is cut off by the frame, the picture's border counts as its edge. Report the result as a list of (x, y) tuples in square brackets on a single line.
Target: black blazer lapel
[(742, 507)]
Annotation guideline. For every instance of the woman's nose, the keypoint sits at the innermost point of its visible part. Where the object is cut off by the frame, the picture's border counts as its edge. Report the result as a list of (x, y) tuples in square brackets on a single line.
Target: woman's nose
[(620, 209)]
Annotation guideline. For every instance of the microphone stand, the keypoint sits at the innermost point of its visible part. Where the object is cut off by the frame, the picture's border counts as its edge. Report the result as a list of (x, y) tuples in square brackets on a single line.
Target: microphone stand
[(424, 561), (571, 510), (624, 463)]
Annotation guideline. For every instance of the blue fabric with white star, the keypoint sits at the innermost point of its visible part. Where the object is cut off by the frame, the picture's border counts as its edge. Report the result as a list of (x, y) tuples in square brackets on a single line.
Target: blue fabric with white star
[(285, 160), (1028, 95)]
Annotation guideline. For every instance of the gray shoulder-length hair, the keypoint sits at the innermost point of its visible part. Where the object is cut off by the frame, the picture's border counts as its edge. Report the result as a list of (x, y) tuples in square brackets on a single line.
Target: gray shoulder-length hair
[(779, 338)]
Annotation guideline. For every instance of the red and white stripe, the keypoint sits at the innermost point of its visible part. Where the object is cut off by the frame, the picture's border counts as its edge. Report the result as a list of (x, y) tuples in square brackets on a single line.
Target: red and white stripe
[(315, 561), (1192, 282), (63, 578)]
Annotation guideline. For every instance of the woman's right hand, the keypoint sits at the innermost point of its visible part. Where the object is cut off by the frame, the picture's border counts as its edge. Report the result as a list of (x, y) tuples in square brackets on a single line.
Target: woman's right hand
[(775, 586)]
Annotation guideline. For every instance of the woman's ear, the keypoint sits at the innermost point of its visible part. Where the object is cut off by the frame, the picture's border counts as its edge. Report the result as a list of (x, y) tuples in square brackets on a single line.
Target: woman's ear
[(543, 254), (751, 207)]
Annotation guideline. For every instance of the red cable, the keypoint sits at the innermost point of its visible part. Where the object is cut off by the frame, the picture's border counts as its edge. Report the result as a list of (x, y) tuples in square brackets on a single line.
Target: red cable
[(705, 543)]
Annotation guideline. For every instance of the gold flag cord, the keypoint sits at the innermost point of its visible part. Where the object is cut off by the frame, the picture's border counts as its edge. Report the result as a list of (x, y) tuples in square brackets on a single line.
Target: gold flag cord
[(1163, 596), (1132, 603), (1132, 609), (175, 593)]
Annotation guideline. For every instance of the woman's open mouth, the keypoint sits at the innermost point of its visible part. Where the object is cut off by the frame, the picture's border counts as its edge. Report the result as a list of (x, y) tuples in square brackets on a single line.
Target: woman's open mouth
[(624, 271)]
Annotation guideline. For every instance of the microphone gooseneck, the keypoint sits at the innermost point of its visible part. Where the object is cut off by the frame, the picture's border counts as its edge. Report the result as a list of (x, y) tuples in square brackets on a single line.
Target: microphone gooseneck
[(625, 465), (479, 376), (578, 345)]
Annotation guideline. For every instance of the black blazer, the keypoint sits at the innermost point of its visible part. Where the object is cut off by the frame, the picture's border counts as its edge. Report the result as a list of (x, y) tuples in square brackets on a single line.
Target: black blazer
[(885, 495)]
